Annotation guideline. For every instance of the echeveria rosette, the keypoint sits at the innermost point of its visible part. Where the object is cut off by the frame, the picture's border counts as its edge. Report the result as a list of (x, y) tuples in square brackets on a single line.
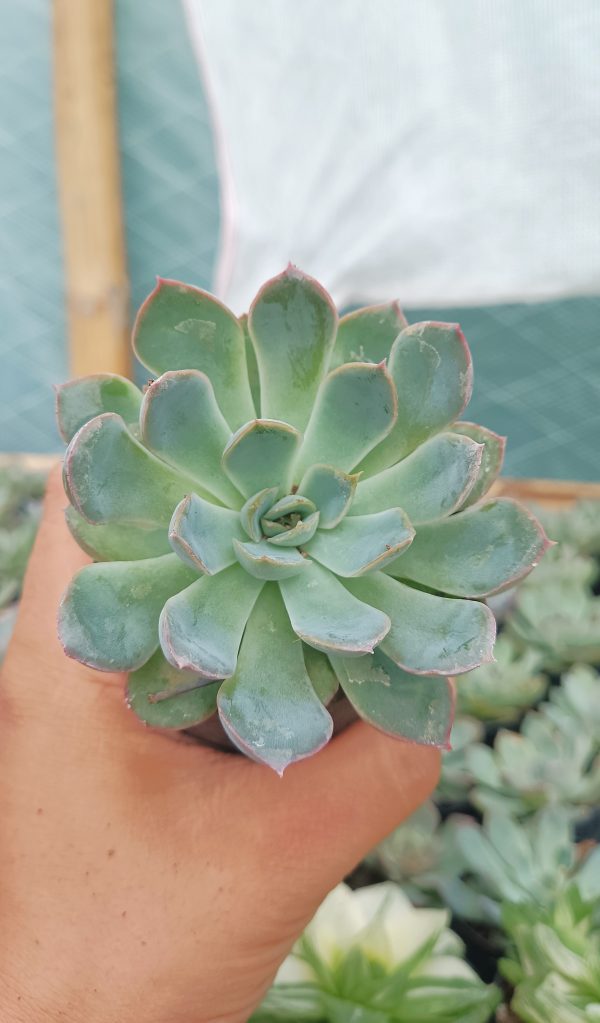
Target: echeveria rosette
[(290, 507)]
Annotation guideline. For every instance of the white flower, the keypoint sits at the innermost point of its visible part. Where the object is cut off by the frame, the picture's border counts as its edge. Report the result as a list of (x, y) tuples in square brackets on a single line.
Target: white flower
[(380, 921)]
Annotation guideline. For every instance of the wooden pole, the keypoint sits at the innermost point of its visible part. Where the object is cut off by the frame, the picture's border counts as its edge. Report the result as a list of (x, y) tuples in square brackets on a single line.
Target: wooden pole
[(97, 291)]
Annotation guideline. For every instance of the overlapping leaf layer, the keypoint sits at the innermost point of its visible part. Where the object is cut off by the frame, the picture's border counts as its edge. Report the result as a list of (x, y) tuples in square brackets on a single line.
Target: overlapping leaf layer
[(292, 506)]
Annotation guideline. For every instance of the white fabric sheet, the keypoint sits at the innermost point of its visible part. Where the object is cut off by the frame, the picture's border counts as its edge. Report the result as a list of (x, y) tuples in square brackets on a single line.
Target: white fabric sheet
[(445, 152)]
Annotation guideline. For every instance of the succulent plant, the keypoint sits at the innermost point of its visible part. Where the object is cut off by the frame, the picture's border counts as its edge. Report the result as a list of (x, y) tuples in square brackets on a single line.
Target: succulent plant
[(423, 856), (560, 620), (553, 760), (290, 506), (577, 526), (457, 780), (20, 495), (518, 862), (501, 691), (577, 699), (475, 868), (369, 956), (555, 963)]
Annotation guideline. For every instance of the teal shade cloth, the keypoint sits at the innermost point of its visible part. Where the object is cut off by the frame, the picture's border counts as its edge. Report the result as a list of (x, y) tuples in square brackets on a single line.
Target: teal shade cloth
[(537, 367), (537, 381)]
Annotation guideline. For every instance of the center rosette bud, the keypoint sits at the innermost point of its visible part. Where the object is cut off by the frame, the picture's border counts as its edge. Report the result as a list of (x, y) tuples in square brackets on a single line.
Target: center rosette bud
[(276, 530)]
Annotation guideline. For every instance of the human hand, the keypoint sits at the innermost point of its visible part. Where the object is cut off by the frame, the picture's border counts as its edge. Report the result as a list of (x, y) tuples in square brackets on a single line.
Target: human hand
[(145, 877)]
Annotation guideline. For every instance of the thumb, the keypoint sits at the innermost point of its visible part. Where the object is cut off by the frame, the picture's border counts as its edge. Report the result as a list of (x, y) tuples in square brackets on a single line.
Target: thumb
[(334, 808)]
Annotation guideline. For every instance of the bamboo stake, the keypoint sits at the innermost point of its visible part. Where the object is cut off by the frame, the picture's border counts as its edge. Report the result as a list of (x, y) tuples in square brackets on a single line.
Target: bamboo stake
[(548, 493), (97, 291)]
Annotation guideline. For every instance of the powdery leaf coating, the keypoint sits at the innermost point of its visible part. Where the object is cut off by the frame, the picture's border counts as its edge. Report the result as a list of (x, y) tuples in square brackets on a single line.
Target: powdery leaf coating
[(289, 508)]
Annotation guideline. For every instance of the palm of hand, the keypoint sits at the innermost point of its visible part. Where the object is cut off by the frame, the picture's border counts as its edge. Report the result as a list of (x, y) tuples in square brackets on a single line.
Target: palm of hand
[(143, 873)]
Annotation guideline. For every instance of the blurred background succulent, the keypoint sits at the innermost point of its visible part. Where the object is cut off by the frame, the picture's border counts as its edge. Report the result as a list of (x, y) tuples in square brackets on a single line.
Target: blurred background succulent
[(502, 690), (577, 526), (369, 956), (475, 868), (456, 778), (553, 759), (561, 620), (21, 490), (554, 964), (350, 516), (510, 861)]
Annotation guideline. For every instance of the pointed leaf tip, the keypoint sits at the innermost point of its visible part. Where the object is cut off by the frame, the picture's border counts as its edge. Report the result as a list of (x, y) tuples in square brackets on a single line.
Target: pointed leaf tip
[(476, 552), (269, 707)]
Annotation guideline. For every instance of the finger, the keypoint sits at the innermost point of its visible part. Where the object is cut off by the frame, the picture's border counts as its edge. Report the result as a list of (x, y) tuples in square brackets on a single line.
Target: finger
[(335, 807)]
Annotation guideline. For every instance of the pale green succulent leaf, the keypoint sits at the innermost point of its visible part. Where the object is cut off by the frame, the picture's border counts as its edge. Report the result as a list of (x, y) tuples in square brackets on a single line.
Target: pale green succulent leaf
[(268, 707), (476, 552), (164, 697), (291, 1003), (271, 529), (201, 628), (301, 533), (254, 509), (264, 561), (322, 676), (431, 483), (116, 541), (491, 462), (181, 422), (431, 366), (251, 363), (260, 455), (363, 543), (331, 490), (110, 477), (78, 401), (292, 323), (290, 504), (353, 411), (182, 327), (108, 617), (430, 635), (326, 616), (202, 534), (406, 706), (367, 334)]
